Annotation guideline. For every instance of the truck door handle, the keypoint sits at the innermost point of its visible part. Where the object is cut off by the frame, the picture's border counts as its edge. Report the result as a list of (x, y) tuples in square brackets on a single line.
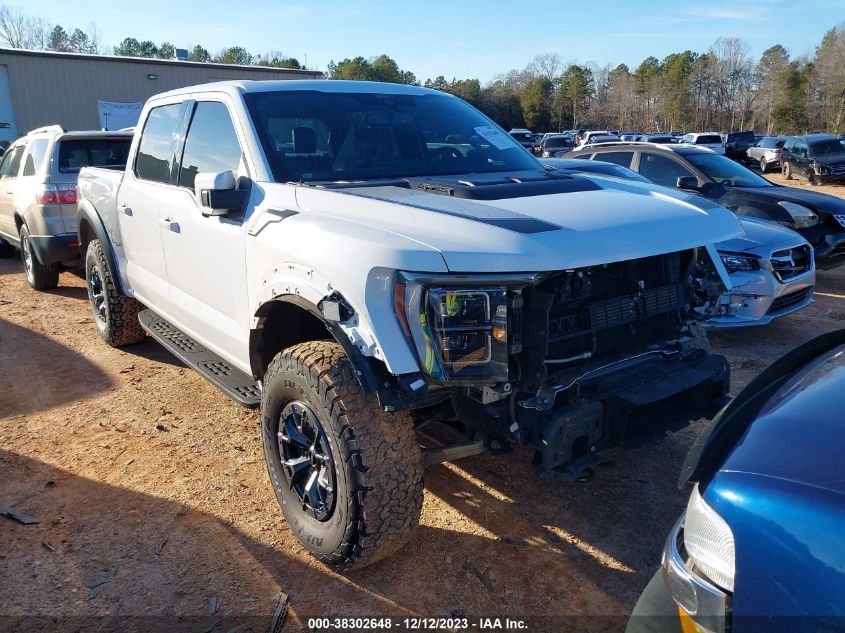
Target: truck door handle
[(169, 224), (126, 210)]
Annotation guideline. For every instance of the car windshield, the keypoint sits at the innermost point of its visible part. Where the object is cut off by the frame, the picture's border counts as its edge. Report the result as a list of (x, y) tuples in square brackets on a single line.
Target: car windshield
[(709, 139), (826, 148), (558, 141), (660, 139), (724, 171), (325, 136), (92, 152)]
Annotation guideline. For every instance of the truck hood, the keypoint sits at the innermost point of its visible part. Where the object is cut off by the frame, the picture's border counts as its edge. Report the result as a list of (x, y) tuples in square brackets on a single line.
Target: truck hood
[(572, 222), (755, 232)]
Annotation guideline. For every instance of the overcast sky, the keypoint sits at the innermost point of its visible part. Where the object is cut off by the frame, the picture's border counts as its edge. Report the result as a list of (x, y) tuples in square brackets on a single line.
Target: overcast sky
[(457, 38)]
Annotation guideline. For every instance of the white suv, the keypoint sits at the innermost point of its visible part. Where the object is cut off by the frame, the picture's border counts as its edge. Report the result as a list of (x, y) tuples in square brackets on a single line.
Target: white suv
[(38, 195), (710, 140)]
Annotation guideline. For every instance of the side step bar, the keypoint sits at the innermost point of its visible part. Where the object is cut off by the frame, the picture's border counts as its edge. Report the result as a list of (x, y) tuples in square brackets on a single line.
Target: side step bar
[(230, 380)]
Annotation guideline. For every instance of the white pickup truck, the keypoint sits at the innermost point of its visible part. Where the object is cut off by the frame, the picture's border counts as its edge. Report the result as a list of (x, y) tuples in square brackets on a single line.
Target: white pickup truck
[(375, 263)]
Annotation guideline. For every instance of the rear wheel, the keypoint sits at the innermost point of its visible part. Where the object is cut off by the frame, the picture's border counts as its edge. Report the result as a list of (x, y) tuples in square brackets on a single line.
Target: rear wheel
[(115, 315), (787, 171), (347, 475), (39, 276)]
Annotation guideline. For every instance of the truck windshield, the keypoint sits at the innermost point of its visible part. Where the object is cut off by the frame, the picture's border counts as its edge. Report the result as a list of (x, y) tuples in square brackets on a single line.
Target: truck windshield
[(323, 136)]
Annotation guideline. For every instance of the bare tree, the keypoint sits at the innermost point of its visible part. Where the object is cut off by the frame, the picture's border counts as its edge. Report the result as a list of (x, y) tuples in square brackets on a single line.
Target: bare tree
[(19, 30), (546, 65)]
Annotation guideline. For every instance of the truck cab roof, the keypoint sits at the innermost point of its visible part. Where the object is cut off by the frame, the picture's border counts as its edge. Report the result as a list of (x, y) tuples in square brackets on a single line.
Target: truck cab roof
[(237, 87)]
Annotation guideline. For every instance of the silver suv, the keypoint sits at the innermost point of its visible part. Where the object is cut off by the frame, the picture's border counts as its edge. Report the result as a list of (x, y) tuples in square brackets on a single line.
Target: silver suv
[(38, 195)]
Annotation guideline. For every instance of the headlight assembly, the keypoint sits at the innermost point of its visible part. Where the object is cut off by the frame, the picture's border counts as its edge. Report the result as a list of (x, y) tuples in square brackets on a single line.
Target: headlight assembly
[(459, 332), (802, 217), (734, 262), (709, 542)]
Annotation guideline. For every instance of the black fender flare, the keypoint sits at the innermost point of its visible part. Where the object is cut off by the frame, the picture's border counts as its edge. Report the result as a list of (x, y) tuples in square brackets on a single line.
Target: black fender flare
[(90, 226), (394, 392), (365, 367)]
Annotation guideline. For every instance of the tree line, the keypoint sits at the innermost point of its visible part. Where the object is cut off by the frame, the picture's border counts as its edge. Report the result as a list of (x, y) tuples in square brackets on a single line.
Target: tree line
[(20, 30), (721, 89)]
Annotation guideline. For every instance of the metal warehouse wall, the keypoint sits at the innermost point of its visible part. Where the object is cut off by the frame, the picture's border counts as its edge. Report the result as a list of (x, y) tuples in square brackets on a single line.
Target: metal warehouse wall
[(49, 88)]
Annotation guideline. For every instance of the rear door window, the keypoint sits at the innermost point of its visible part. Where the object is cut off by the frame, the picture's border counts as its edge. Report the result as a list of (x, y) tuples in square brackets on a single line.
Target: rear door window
[(662, 170), (212, 144), (155, 150), (35, 154), (11, 163), (92, 152), (618, 158)]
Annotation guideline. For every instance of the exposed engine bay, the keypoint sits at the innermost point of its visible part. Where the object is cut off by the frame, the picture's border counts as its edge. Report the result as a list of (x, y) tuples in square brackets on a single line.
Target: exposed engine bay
[(593, 351)]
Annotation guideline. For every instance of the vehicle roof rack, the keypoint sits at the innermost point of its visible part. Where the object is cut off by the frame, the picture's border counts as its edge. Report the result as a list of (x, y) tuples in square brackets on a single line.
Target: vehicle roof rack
[(47, 128)]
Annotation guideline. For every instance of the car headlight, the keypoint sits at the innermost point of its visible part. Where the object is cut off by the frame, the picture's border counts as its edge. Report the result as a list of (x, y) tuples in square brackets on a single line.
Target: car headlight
[(802, 217), (735, 262), (709, 542), (459, 332)]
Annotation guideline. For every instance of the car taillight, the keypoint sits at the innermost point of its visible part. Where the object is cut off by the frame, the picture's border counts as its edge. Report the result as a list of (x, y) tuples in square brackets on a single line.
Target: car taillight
[(47, 195), (51, 194), (67, 194)]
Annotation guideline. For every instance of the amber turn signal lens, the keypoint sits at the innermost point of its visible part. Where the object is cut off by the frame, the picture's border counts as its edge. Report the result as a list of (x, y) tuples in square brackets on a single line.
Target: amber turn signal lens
[(500, 333)]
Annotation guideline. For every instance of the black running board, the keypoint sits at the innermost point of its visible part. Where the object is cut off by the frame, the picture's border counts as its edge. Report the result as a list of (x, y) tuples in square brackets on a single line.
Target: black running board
[(230, 380)]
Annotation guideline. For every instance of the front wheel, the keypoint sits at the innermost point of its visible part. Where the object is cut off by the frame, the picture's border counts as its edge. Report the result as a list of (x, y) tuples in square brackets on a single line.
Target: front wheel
[(787, 171), (763, 166), (38, 275), (115, 315), (347, 475)]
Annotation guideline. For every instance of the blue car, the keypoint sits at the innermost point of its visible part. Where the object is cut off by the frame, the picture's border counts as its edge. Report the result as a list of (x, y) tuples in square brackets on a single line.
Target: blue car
[(761, 546)]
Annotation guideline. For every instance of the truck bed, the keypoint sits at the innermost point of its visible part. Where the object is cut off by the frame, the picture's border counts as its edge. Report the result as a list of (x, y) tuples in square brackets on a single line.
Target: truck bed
[(99, 186)]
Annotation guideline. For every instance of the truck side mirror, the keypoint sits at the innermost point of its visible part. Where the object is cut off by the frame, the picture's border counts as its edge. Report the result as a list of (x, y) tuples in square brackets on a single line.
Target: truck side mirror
[(687, 182), (217, 193)]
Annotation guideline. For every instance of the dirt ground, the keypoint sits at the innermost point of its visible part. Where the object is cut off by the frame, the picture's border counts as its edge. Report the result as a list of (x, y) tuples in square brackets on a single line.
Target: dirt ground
[(154, 502)]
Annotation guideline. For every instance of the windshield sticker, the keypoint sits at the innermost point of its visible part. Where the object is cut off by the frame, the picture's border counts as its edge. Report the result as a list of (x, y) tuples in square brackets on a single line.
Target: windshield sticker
[(494, 136)]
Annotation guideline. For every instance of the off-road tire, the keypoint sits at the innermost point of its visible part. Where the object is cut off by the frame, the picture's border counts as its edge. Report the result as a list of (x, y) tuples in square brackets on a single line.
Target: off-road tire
[(116, 318), (787, 171), (39, 276), (378, 465), (7, 251)]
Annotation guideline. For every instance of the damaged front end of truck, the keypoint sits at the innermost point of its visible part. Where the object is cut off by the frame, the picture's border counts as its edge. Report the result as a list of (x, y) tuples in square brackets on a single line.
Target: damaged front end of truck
[(570, 362)]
